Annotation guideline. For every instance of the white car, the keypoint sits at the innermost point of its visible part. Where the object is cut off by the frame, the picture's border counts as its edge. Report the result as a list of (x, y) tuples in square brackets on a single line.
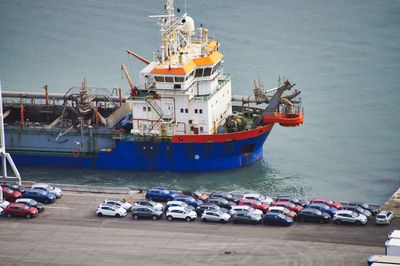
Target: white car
[(177, 203), (4, 204), (181, 213), (49, 188), (215, 216), (384, 217), (149, 203), (258, 197), (111, 210), (119, 202), (344, 216), (244, 208), (1, 210)]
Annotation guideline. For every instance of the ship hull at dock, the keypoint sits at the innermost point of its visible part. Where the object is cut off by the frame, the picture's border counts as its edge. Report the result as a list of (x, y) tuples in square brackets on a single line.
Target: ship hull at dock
[(228, 151)]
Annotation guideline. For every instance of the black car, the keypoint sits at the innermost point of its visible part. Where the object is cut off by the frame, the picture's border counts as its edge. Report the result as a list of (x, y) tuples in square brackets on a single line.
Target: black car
[(246, 217), (358, 210), (277, 219), (221, 202), (374, 210), (14, 186), (225, 195), (31, 203), (146, 212), (313, 215), (209, 206), (293, 200)]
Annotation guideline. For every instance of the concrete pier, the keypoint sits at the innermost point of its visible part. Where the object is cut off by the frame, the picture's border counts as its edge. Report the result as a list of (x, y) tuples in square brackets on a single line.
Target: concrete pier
[(68, 232)]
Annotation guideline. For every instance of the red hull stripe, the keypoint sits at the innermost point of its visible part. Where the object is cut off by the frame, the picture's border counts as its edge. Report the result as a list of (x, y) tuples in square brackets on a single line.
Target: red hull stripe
[(222, 137)]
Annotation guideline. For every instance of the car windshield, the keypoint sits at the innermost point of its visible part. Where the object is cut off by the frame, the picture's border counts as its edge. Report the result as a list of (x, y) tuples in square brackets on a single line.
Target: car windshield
[(197, 194), (365, 206), (281, 216), (257, 203), (165, 191), (9, 190), (187, 210), (32, 201), (285, 210), (359, 209), (291, 205), (190, 199), (381, 216), (25, 207), (44, 192), (330, 202), (354, 214), (318, 212), (52, 187), (324, 206)]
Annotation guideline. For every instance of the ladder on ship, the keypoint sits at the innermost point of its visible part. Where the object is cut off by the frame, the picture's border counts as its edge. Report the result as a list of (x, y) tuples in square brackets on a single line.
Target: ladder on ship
[(150, 101)]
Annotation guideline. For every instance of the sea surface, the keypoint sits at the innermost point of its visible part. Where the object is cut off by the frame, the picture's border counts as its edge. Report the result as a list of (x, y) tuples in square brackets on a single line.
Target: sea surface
[(344, 56)]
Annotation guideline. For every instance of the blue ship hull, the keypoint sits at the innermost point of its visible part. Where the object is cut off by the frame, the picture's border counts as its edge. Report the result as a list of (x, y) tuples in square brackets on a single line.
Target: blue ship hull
[(158, 156)]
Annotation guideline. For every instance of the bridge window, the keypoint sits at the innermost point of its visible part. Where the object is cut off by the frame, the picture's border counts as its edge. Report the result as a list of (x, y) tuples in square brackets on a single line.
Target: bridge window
[(159, 79), (195, 111), (181, 110), (199, 72), (207, 71), (179, 79), (169, 79)]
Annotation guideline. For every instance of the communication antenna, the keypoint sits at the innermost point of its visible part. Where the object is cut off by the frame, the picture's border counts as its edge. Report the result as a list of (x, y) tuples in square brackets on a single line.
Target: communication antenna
[(4, 155)]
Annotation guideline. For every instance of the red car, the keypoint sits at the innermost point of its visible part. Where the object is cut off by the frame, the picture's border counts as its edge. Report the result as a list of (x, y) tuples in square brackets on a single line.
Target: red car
[(289, 205), (11, 194), (328, 202), (21, 210), (254, 204)]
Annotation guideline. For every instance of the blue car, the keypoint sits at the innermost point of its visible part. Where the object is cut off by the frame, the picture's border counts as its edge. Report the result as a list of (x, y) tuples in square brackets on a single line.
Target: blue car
[(188, 200), (159, 193), (277, 219), (40, 195), (324, 208)]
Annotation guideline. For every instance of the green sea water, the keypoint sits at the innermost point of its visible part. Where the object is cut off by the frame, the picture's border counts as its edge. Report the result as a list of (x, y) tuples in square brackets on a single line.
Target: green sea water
[(343, 55)]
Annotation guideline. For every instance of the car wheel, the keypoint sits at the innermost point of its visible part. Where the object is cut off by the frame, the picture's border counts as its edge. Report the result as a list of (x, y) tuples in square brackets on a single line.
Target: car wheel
[(169, 218), (99, 214), (235, 221), (301, 219), (117, 215), (169, 199), (338, 221), (321, 221), (154, 217), (222, 221), (357, 223), (135, 217), (204, 220), (9, 215), (188, 219), (28, 216)]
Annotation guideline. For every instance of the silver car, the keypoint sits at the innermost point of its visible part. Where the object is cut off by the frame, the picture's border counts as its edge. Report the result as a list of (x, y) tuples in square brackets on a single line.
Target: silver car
[(215, 216), (345, 216), (384, 217)]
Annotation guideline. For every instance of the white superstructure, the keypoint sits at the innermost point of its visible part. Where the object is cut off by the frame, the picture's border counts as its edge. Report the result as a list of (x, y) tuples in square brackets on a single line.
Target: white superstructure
[(184, 91)]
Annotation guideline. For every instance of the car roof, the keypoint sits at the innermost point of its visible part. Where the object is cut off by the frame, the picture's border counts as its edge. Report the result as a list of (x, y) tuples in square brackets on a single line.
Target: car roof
[(272, 213), (109, 205), (319, 199), (251, 195), (384, 212), (276, 208), (344, 211), (176, 208), (318, 204), (248, 200), (15, 204), (309, 209), (282, 202), (34, 189), (175, 202), (40, 185)]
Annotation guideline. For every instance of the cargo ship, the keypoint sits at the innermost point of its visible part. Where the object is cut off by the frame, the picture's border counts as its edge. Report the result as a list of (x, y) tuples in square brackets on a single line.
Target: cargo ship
[(180, 117)]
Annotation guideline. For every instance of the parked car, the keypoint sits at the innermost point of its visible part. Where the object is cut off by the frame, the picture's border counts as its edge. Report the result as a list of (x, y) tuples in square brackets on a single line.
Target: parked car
[(159, 193), (32, 203), (1, 210), (284, 211), (254, 204), (384, 217), (181, 213), (293, 200), (326, 201), (146, 212), (277, 219), (358, 209), (20, 209), (196, 195), (50, 188), (215, 216), (119, 202), (313, 215), (343, 216), (11, 194), (209, 206), (4, 203), (258, 197), (40, 195), (111, 210), (244, 208), (148, 203), (323, 207), (188, 200), (221, 202), (288, 205), (177, 203), (225, 195), (246, 217), (374, 210), (14, 186)]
